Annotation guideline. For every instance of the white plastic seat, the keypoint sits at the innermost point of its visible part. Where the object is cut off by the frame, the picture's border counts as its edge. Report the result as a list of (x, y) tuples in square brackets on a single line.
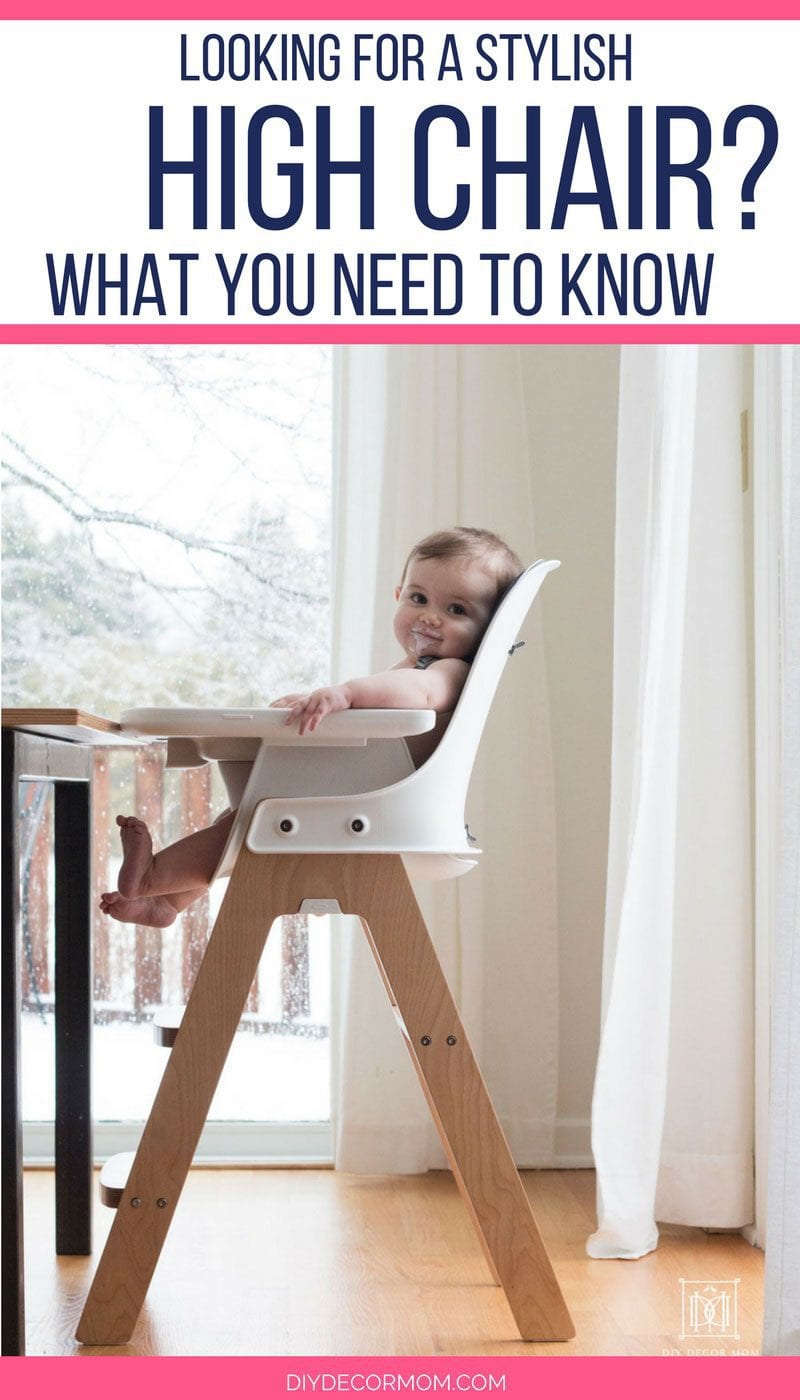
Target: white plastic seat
[(337, 819)]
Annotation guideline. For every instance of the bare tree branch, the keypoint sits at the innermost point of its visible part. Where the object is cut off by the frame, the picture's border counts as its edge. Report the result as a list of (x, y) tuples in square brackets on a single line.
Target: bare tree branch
[(84, 513)]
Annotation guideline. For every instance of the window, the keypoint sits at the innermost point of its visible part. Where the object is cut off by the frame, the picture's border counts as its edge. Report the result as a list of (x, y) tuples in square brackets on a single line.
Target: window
[(166, 535)]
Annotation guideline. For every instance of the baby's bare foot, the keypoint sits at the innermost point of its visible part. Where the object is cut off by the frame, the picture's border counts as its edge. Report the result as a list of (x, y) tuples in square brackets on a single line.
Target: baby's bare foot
[(137, 856), (153, 911)]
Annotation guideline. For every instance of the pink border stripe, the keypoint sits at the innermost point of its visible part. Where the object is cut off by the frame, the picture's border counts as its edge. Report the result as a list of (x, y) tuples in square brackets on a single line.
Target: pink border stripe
[(399, 334), (298, 12), (569, 1377)]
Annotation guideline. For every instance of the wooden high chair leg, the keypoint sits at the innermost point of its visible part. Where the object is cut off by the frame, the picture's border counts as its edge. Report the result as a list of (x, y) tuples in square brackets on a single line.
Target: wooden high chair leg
[(459, 1101), (159, 1170)]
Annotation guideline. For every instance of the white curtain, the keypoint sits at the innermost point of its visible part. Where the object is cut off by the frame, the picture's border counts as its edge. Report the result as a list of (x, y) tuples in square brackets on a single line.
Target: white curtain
[(782, 1281), (429, 438), (672, 1111)]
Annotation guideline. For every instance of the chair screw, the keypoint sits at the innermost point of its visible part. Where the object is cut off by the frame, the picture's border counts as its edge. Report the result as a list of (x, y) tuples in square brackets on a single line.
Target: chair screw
[(451, 1040), (356, 824), (136, 1201), (426, 1040), (161, 1202), (286, 825)]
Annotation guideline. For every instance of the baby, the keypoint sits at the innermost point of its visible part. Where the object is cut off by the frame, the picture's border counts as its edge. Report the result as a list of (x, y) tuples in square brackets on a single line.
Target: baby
[(450, 587)]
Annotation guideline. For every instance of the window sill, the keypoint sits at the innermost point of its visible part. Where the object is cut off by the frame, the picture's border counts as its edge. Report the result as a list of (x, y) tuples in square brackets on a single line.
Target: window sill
[(221, 1144)]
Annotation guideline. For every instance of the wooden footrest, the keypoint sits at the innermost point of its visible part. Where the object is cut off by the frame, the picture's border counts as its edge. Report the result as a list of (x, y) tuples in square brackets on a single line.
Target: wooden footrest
[(166, 1024), (114, 1178)]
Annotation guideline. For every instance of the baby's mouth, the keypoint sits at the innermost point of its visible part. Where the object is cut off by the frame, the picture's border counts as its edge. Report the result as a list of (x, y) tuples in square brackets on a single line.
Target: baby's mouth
[(422, 640)]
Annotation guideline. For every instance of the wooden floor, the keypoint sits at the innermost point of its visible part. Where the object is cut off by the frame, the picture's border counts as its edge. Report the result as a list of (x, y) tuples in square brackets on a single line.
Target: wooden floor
[(317, 1263)]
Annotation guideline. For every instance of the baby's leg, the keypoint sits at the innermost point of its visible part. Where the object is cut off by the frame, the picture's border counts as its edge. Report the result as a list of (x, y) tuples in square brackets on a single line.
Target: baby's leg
[(187, 866)]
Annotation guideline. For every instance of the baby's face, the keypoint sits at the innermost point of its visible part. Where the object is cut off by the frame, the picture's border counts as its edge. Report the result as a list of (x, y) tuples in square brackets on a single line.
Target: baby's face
[(443, 607)]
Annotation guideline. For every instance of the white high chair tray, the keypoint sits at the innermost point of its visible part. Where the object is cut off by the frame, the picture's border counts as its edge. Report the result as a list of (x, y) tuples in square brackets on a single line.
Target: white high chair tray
[(345, 727)]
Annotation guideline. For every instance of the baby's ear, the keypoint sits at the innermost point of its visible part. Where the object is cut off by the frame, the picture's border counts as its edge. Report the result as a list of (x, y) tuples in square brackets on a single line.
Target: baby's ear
[(397, 591)]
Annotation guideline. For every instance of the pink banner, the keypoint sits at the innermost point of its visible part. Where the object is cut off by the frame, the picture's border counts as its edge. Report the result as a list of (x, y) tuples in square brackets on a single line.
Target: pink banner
[(519, 1378), (401, 333), (411, 9)]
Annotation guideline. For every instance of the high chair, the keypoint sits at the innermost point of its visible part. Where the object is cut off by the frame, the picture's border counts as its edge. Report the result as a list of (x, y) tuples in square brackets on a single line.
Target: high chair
[(339, 820)]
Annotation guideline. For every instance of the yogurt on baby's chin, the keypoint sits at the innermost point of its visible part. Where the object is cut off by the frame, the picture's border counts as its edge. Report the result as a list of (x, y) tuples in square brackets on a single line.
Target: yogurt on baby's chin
[(422, 643)]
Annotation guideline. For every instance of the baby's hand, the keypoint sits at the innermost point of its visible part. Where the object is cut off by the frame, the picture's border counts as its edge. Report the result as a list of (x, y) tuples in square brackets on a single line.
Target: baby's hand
[(309, 710)]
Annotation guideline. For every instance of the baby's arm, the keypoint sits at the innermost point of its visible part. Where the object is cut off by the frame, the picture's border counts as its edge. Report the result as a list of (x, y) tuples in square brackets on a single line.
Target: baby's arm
[(404, 688)]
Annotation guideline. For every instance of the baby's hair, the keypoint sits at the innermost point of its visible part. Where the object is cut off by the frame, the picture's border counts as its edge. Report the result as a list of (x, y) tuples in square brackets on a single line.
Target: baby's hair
[(464, 542)]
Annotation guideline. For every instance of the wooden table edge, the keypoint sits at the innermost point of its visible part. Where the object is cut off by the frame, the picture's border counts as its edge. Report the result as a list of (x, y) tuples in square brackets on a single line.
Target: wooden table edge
[(22, 719), (69, 725)]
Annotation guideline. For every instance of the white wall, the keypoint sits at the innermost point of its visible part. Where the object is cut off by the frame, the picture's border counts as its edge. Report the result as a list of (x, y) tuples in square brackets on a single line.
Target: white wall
[(571, 395)]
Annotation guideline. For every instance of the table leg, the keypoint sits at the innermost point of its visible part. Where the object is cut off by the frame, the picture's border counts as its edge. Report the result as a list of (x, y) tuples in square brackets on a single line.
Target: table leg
[(13, 1275), (73, 1017)]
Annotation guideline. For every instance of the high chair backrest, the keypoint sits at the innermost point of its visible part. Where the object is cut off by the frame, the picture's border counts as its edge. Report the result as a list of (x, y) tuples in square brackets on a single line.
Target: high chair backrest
[(456, 752)]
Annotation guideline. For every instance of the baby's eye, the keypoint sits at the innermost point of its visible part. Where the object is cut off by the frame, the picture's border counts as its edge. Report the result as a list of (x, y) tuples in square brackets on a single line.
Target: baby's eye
[(457, 609), (418, 598)]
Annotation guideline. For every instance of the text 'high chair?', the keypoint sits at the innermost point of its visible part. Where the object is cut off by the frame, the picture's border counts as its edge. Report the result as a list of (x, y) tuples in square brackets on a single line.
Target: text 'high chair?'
[(336, 821)]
